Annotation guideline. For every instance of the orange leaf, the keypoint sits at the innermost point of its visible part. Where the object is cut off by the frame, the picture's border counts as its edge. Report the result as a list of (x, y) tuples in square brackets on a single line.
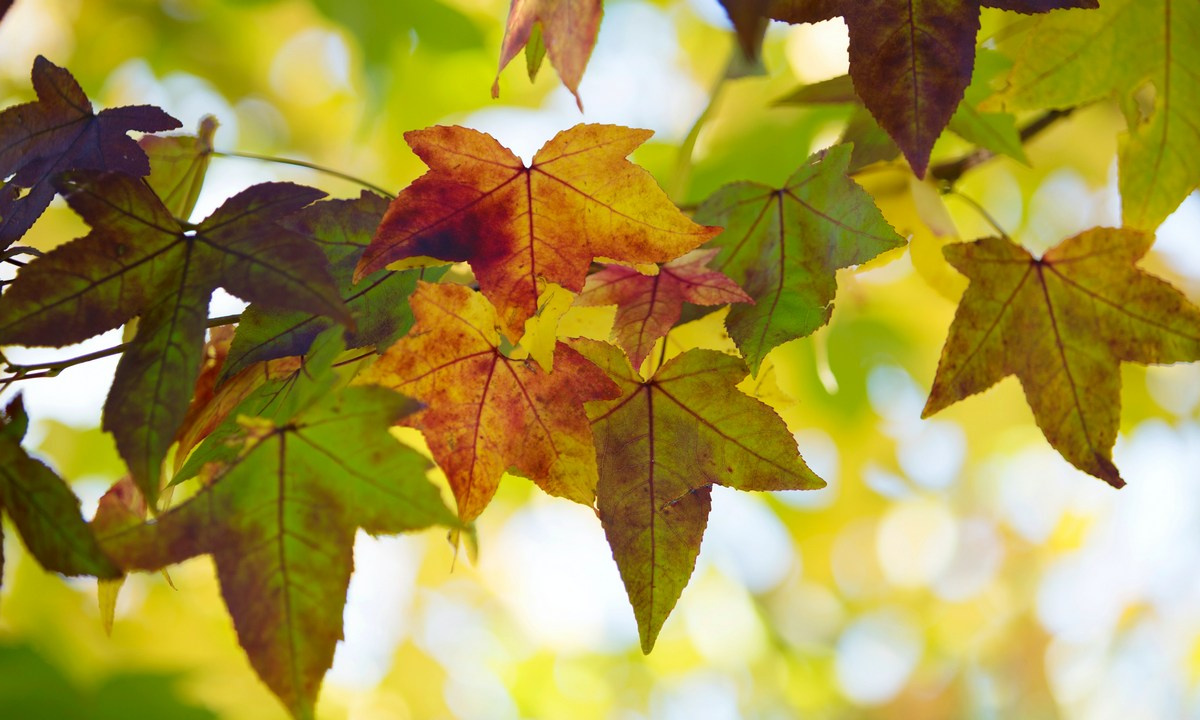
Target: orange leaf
[(520, 227), (569, 29), (487, 413), (1062, 325)]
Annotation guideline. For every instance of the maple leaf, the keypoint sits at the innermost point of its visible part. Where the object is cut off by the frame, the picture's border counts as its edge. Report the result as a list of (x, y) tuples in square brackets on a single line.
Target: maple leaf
[(1074, 58), (140, 261), (279, 521), (60, 132), (43, 508), (749, 18), (519, 226), (379, 304), (486, 412), (1062, 325), (911, 60), (784, 245), (649, 305), (568, 32), (178, 165), (661, 446)]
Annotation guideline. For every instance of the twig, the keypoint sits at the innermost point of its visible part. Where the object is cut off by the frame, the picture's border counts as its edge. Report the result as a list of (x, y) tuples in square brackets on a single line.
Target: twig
[(951, 171), (305, 164), (981, 210)]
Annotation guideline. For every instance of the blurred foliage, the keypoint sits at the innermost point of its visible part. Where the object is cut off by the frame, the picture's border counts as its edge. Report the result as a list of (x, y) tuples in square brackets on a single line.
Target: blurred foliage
[(954, 568)]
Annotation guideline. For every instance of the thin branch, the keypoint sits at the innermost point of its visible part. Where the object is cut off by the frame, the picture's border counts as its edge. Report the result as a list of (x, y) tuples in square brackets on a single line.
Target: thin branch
[(305, 164), (981, 210), (951, 171)]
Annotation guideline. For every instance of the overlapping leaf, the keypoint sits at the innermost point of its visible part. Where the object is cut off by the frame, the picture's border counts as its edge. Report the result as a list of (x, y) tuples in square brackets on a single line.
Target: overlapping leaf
[(568, 32), (140, 261), (1073, 58), (60, 132), (661, 446), (520, 227), (378, 304), (486, 413), (43, 508), (784, 245), (178, 166), (1062, 325), (279, 521), (911, 60), (648, 306)]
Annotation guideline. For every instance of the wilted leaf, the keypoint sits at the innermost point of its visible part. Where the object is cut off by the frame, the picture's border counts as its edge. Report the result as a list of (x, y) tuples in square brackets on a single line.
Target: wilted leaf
[(1074, 58), (911, 60), (649, 305), (59, 132), (661, 446), (43, 507), (140, 261), (486, 413), (378, 304), (784, 246), (123, 504), (568, 31), (1062, 325), (280, 519), (521, 226)]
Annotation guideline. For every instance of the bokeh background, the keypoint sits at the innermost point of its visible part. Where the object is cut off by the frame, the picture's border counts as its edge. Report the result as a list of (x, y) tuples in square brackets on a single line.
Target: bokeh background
[(954, 568)]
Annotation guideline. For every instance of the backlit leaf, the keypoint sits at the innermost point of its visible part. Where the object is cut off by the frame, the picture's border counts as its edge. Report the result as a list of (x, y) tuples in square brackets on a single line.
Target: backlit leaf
[(60, 132), (649, 305), (784, 246), (661, 446), (1063, 324), (140, 261), (178, 165), (520, 227), (486, 413), (568, 31)]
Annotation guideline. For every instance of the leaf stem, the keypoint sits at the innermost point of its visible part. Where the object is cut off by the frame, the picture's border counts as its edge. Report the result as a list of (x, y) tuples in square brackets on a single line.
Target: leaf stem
[(305, 164), (951, 171), (981, 210)]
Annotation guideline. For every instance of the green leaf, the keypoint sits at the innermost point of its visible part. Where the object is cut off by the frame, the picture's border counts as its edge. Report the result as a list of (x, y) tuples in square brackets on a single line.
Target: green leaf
[(178, 164), (1074, 58), (280, 519), (140, 261), (378, 303), (660, 447), (43, 507), (535, 51), (783, 246)]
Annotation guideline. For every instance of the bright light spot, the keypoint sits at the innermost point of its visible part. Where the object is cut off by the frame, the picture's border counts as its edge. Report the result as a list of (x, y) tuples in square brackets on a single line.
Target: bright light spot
[(746, 540), (820, 453), (808, 614), (875, 657), (311, 67), (933, 455), (888, 484), (855, 563), (1035, 486), (916, 541), (721, 621), (977, 557), (35, 28), (894, 397), (818, 51), (1176, 388), (1062, 206), (1176, 237), (77, 395), (698, 695), (554, 571), (378, 605)]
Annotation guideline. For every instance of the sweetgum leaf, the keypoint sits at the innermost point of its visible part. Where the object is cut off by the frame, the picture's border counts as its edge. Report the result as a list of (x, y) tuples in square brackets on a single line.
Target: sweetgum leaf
[(568, 32), (178, 164), (485, 412), (1063, 324), (60, 132), (43, 508), (1077, 57), (279, 522), (648, 306), (140, 261), (911, 60), (661, 446), (378, 304), (749, 18), (520, 227), (783, 246)]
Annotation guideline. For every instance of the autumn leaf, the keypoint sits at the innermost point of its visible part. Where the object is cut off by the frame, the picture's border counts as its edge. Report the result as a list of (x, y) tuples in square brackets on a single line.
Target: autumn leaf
[(661, 446), (568, 32), (749, 18), (911, 60), (178, 166), (279, 521), (140, 261), (43, 508), (648, 306), (1062, 325), (122, 504), (378, 304), (520, 227), (1073, 58), (783, 246), (60, 132), (486, 413)]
